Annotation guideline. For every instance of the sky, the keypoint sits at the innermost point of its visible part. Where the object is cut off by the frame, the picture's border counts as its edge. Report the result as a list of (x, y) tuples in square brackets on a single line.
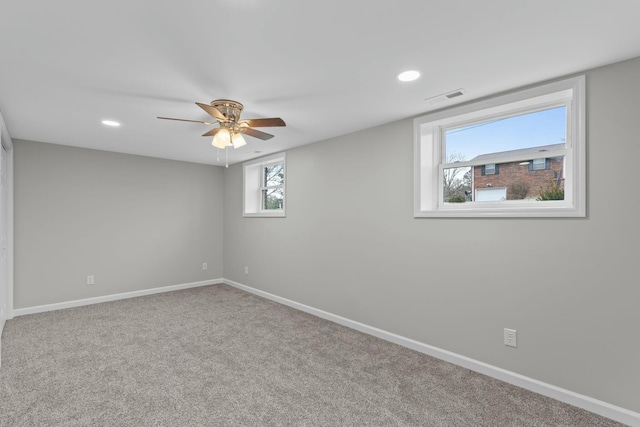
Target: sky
[(530, 130)]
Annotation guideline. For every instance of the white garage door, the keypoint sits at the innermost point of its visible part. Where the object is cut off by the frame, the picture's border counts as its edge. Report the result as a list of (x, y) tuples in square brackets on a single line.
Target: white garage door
[(493, 194)]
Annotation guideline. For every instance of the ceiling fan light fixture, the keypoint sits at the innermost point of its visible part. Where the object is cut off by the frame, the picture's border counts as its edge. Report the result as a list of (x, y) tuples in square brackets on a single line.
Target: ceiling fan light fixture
[(222, 139), (237, 140), (217, 143)]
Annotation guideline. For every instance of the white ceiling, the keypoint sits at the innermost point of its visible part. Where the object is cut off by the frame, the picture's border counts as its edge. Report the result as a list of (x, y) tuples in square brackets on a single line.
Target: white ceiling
[(326, 67)]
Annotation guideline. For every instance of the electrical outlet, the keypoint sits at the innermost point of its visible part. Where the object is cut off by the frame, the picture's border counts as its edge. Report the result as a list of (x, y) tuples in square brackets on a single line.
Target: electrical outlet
[(246, 269), (204, 265), (510, 337), (90, 280)]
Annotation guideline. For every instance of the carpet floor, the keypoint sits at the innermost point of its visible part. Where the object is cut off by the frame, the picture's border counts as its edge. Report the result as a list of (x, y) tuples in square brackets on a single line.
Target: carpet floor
[(218, 356)]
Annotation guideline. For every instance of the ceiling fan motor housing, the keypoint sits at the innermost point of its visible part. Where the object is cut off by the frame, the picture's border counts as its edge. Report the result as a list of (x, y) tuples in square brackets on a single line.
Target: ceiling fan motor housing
[(230, 109)]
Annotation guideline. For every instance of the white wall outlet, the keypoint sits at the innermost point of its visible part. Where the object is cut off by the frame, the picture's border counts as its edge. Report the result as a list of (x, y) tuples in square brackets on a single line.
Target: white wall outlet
[(510, 337), (246, 269), (90, 280), (204, 265)]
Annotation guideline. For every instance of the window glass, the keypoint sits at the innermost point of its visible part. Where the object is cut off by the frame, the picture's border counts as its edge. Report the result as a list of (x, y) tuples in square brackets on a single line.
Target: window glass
[(539, 164), (273, 187), (273, 175), (456, 184), (524, 135), (500, 137)]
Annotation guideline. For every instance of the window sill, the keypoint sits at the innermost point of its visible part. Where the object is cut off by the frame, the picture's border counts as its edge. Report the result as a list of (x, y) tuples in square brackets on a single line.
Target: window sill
[(552, 209), (279, 214)]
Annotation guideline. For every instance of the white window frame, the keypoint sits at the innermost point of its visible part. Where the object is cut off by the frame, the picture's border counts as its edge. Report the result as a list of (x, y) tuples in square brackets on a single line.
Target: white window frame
[(429, 162), (253, 180)]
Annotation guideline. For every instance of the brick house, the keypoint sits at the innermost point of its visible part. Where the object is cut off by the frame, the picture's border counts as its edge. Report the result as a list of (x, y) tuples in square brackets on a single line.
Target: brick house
[(496, 180)]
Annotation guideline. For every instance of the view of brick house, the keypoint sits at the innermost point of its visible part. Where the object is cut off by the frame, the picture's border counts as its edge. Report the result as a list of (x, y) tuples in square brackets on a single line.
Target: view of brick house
[(496, 180)]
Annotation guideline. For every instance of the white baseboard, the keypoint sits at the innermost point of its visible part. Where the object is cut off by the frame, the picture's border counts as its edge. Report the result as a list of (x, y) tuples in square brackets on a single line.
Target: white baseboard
[(567, 396), (113, 297)]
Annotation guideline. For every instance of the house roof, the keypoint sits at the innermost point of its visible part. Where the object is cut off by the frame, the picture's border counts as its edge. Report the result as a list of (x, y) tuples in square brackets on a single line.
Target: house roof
[(536, 152)]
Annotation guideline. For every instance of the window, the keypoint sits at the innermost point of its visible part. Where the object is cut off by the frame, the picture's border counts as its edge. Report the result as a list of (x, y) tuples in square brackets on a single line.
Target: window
[(490, 169), (272, 189), (264, 186), (518, 155), (539, 164)]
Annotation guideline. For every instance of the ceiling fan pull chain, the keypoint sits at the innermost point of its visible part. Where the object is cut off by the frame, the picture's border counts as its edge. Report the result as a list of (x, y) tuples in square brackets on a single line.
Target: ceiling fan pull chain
[(226, 150), (218, 153)]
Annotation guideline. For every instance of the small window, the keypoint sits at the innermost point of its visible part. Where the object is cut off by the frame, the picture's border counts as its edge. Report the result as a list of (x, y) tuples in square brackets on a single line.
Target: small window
[(264, 186), (472, 160), (272, 188), (539, 164), (489, 169)]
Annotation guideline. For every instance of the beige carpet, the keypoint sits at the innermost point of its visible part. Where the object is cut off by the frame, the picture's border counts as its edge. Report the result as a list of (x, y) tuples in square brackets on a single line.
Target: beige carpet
[(217, 356)]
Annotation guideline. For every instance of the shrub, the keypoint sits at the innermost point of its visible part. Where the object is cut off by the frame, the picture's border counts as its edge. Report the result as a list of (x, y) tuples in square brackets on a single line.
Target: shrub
[(457, 198), (517, 191), (552, 192)]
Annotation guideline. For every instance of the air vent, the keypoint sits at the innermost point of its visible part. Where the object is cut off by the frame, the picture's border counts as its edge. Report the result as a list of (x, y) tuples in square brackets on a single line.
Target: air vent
[(445, 96), (454, 94)]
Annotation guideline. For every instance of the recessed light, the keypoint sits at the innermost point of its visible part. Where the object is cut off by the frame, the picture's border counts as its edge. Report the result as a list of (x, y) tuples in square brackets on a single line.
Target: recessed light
[(408, 76), (110, 123)]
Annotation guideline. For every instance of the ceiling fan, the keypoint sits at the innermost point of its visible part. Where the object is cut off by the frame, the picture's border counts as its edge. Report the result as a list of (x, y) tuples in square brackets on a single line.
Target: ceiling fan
[(227, 115)]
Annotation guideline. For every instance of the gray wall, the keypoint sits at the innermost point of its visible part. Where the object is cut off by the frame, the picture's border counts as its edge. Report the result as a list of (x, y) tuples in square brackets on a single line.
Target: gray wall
[(134, 222), (350, 245)]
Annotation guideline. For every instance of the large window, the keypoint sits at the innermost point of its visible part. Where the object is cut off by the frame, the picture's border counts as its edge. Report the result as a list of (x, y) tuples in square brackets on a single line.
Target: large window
[(264, 186), (515, 155)]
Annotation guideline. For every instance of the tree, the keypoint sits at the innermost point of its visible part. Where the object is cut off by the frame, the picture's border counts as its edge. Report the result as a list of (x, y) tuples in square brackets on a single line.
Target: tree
[(456, 180), (273, 192)]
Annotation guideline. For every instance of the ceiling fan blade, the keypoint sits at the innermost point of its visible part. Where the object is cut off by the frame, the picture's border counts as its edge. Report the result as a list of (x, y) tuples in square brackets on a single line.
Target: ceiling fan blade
[(256, 133), (212, 132), (185, 120), (212, 111), (258, 123)]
